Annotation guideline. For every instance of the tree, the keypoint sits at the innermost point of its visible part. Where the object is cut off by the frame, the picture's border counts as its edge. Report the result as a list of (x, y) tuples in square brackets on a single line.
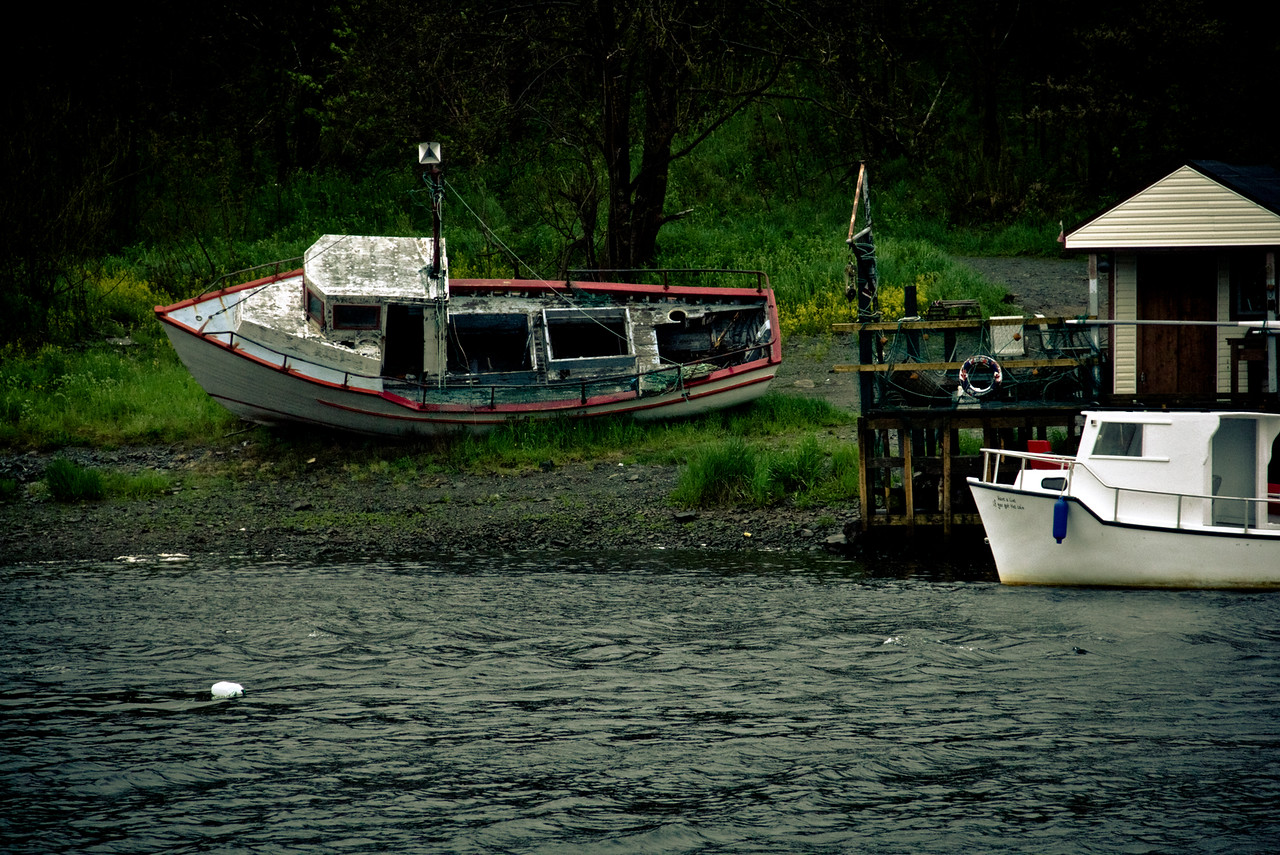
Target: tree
[(627, 87)]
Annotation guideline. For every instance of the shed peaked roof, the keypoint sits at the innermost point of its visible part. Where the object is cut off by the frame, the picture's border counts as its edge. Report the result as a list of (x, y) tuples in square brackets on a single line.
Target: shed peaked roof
[(1205, 203)]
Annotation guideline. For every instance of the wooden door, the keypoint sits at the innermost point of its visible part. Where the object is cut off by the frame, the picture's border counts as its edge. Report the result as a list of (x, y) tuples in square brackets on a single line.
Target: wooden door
[(1177, 360)]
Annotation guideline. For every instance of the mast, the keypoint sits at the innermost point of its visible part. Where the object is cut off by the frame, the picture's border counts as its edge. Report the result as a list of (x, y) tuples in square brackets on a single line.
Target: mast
[(861, 275), (429, 155), (435, 323)]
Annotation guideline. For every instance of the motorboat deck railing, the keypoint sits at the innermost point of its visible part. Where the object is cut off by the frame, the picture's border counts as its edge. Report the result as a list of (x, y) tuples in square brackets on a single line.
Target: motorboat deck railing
[(1253, 509), (642, 384)]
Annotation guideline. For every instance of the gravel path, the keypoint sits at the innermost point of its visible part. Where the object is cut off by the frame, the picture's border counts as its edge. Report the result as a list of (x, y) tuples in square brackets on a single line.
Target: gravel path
[(1053, 287)]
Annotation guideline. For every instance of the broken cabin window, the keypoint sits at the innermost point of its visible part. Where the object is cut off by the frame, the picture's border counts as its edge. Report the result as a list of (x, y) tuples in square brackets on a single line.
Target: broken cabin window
[(587, 333), (486, 342), (348, 316)]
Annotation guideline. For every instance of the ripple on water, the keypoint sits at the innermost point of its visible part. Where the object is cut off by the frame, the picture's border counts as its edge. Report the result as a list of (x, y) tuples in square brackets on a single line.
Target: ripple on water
[(621, 704)]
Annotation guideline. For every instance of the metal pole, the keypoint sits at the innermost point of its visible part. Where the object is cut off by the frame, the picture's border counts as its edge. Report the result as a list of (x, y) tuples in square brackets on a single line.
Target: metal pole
[(1094, 339), (1272, 367)]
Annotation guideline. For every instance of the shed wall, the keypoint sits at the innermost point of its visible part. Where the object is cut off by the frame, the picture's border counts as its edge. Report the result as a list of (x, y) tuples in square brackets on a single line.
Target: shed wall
[(1125, 368)]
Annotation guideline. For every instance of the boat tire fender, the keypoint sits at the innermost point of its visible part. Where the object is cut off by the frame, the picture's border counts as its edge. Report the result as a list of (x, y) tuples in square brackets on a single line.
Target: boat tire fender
[(997, 375)]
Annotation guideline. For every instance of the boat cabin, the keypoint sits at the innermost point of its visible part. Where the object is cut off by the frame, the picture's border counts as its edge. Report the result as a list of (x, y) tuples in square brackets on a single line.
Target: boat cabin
[(371, 306), (1143, 460), (378, 296)]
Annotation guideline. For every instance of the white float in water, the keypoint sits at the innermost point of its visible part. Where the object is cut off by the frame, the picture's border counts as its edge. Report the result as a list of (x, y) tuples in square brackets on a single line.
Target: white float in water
[(227, 690)]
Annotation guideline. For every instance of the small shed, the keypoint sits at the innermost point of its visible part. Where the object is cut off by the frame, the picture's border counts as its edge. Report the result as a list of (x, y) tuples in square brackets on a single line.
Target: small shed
[(1189, 264)]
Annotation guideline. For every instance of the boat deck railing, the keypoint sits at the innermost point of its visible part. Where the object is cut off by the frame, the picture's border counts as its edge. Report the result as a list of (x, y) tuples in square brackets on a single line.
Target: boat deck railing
[(1254, 513), (469, 391), (284, 265), (664, 274)]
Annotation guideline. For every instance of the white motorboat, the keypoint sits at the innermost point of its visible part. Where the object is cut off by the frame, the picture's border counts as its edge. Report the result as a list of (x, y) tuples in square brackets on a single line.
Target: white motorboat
[(1151, 499)]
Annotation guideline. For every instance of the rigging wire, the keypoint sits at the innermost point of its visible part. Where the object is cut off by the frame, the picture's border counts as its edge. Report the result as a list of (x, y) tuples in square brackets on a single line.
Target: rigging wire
[(520, 263), (256, 291)]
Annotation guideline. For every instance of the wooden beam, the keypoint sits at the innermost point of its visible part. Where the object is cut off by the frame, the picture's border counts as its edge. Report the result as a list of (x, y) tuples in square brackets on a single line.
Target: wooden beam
[(857, 194), (946, 483), (954, 366), (864, 434), (970, 323), (908, 476)]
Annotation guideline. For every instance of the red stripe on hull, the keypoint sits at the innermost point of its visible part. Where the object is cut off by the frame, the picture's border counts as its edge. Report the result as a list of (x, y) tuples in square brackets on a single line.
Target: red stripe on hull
[(266, 389)]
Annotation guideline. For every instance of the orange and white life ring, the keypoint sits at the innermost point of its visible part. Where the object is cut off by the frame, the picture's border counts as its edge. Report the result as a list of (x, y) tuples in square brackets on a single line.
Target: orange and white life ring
[(970, 388)]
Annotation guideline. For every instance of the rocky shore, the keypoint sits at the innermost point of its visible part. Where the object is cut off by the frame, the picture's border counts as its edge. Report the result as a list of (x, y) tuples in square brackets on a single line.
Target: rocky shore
[(326, 513)]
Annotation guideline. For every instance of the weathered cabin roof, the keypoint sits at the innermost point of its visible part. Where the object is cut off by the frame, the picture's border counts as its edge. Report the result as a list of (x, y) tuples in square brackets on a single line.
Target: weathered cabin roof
[(354, 267), (1204, 203)]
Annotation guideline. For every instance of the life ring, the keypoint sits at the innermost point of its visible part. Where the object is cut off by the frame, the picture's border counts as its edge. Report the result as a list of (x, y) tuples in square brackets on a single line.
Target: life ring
[(997, 375)]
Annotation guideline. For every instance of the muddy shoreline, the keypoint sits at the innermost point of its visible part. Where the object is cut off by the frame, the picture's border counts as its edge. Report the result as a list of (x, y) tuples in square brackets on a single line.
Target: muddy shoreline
[(322, 511)]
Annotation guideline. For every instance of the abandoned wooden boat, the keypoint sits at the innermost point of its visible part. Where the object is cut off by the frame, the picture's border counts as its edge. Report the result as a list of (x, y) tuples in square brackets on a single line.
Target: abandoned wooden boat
[(1150, 499), (362, 338), (371, 335)]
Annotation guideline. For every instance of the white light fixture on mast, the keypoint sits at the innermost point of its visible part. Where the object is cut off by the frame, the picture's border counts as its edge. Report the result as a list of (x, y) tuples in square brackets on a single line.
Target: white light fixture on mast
[(429, 153)]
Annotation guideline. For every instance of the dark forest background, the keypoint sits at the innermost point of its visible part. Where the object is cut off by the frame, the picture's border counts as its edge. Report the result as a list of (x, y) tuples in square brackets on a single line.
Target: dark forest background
[(191, 139)]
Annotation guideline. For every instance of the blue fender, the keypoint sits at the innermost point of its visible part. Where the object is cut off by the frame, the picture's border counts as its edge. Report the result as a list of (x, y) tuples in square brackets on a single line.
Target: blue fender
[(1060, 509)]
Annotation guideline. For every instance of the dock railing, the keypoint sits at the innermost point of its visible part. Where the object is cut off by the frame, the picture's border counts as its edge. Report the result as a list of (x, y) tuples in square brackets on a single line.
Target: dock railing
[(921, 362)]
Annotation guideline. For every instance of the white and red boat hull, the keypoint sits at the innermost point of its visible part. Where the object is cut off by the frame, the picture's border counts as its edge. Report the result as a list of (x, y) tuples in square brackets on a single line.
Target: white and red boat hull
[(269, 385)]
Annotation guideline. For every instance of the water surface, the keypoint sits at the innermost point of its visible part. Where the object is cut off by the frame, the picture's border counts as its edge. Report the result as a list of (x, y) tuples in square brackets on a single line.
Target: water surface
[(660, 702)]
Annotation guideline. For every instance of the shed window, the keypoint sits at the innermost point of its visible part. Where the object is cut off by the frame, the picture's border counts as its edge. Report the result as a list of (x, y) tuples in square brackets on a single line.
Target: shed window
[(1248, 286), (347, 316), (1118, 439)]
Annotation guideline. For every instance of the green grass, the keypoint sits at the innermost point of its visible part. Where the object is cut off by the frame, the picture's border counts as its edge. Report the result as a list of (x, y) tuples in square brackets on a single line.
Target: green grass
[(735, 472), (141, 485), (104, 395), (777, 436), (529, 444), (70, 482)]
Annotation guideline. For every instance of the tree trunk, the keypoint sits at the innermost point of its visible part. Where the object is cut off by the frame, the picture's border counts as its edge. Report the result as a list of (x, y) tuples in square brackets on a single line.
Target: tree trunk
[(660, 126), (615, 89)]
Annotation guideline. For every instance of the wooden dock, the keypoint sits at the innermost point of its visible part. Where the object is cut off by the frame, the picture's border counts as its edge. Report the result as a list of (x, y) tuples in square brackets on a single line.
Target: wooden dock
[(914, 463), (919, 436)]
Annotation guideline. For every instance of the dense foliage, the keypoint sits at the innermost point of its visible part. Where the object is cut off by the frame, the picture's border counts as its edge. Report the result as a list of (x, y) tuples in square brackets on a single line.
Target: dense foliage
[(169, 143)]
